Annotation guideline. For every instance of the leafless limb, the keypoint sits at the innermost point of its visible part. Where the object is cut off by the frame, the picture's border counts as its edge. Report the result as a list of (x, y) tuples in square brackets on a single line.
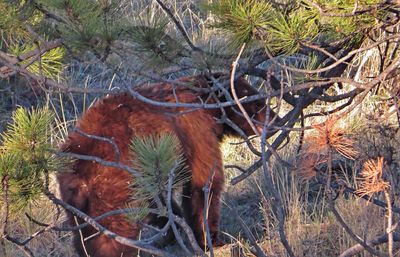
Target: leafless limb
[(178, 25), (81, 238), (346, 189), (104, 139), (355, 249), (355, 12), (232, 81), (118, 165), (171, 217), (390, 227), (122, 240), (393, 38), (349, 231), (44, 47), (277, 206), (207, 198), (142, 243), (5, 210)]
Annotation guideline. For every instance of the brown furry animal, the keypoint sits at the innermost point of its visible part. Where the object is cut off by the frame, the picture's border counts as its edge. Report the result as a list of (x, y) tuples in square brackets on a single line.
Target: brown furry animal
[(96, 189)]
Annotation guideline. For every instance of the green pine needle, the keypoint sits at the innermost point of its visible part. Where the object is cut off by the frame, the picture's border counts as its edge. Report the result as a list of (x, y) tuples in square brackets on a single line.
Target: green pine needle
[(29, 131), (26, 157), (155, 157), (245, 19), (284, 33), (48, 65)]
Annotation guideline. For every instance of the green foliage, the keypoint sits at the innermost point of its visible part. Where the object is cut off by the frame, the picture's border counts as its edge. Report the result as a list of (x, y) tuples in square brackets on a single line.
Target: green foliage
[(283, 29), (26, 157), (13, 23), (245, 19), (151, 38), (155, 157), (88, 24), (285, 32), (49, 64), (149, 35), (339, 24)]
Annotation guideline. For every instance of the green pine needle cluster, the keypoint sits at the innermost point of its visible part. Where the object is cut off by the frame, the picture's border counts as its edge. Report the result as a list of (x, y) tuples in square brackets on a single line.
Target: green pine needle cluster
[(88, 24), (286, 32), (155, 157), (48, 65), (245, 19), (151, 39), (14, 19), (282, 30), (26, 157), (337, 27)]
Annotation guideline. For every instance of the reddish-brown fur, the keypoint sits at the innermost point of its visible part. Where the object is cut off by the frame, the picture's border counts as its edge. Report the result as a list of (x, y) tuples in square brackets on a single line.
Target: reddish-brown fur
[(96, 189)]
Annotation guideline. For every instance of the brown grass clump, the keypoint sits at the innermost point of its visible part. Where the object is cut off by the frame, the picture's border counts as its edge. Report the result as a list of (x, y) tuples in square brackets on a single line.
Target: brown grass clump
[(372, 178)]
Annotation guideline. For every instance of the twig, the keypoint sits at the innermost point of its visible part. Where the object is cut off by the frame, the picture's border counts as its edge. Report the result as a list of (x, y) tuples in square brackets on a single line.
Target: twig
[(354, 12), (277, 205), (24, 248), (81, 237), (389, 229), (347, 189), (178, 25), (189, 233), (336, 63), (171, 215), (120, 239), (232, 80), (4, 189), (373, 242), (104, 139), (207, 196), (5, 211), (351, 233)]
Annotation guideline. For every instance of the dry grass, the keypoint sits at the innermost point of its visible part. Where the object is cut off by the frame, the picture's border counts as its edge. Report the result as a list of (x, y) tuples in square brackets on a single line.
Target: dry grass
[(50, 243), (310, 228)]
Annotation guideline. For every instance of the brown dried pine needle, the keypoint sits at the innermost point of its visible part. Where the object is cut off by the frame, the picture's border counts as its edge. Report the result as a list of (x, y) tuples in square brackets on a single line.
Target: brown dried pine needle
[(371, 178), (306, 165), (330, 135)]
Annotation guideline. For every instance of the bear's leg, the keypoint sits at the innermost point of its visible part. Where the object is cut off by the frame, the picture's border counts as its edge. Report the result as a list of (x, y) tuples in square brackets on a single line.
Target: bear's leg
[(214, 210), (194, 204)]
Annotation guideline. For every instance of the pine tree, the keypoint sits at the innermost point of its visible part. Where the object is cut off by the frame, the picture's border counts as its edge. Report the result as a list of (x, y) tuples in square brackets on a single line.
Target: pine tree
[(27, 159), (301, 53)]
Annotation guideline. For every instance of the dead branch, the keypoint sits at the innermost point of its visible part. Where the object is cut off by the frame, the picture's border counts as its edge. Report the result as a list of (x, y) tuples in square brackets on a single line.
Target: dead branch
[(207, 196), (355, 249), (349, 231), (277, 206), (104, 139), (122, 240)]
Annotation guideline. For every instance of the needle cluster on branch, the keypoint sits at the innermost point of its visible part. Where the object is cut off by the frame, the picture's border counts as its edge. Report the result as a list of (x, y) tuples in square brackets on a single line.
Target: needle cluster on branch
[(298, 54)]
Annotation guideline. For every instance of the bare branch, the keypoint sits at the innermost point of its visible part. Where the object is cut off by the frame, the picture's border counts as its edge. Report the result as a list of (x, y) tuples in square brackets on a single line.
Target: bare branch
[(105, 139), (178, 25), (371, 243), (232, 81)]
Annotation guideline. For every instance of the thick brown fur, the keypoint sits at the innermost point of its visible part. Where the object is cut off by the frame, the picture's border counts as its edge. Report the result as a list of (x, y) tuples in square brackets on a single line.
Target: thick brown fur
[(96, 189)]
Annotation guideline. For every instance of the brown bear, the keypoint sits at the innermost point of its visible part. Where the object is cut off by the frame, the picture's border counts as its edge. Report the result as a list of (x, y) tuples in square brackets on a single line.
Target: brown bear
[(96, 189)]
